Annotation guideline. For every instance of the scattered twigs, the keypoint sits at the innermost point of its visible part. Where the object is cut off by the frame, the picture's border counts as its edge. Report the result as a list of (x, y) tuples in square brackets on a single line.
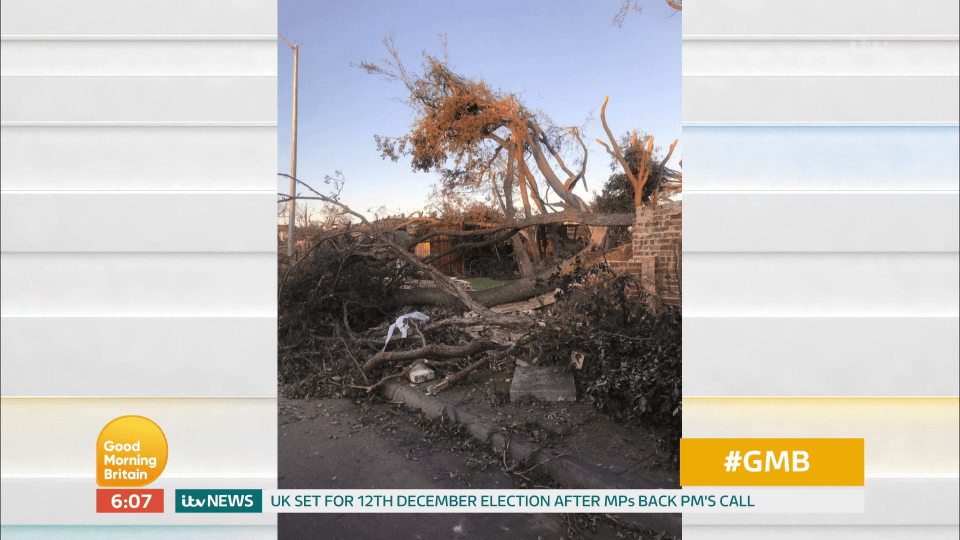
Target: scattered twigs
[(632, 528), (436, 350), (402, 373), (497, 320), (346, 347), (316, 244), (544, 461), (399, 375), (506, 447), (346, 321), (442, 280), (459, 376), (416, 328)]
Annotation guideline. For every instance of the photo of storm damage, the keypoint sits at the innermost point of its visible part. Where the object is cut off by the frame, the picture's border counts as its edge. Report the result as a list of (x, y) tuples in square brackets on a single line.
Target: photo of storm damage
[(479, 238)]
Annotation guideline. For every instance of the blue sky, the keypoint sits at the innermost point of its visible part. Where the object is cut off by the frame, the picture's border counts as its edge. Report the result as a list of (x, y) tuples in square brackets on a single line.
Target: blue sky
[(558, 56)]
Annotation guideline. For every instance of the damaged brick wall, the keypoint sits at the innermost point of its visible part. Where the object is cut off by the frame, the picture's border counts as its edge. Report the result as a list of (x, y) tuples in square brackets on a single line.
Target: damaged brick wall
[(656, 252)]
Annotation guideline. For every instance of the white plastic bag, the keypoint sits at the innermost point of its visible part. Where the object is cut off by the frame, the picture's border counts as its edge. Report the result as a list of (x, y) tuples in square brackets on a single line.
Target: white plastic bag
[(403, 326)]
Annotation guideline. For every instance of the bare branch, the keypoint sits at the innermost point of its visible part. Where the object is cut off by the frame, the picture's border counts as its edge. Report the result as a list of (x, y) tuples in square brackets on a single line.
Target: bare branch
[(572, 182), (436, 350), (637, 186), (445, 283), (450, 380), (567, 216), (467, 245)]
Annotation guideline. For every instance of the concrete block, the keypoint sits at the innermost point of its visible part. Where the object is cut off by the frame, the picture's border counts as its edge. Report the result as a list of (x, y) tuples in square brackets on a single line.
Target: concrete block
[(420, 373), (543, 383)]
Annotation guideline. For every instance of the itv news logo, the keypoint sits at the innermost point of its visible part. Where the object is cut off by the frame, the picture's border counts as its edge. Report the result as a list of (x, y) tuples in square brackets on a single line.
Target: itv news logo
[(219, 501)]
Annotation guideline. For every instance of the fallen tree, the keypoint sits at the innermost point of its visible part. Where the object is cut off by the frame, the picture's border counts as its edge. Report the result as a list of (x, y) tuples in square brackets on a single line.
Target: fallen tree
[(486, 140), (337, 300), (336, 303), (475, 136), (448, 293), (332, 306), (333, 300)]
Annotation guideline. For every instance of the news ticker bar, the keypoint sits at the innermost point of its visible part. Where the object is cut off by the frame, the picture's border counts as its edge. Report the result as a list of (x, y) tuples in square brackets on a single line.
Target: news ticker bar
[(716, 475), (359, 501), (656, 501)]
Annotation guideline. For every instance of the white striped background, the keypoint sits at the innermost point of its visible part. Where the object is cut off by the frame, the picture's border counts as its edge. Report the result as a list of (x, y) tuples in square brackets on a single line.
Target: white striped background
[(113, 105), (821, 247), (138, 254)]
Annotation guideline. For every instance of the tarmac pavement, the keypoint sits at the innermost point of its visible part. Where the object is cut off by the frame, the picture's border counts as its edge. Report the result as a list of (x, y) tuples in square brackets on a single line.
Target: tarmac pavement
[(340, 443)]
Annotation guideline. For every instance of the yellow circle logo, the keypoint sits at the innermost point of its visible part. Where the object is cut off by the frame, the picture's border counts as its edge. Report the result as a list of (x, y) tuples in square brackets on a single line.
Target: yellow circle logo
[(131, 452)]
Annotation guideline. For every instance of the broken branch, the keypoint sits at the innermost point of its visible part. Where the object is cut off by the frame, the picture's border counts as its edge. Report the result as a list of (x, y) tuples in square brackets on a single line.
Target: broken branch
[(457, 377), (436, 350)]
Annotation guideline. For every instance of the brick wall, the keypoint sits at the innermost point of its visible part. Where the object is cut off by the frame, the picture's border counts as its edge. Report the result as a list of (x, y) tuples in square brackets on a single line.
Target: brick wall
[(655, 254)]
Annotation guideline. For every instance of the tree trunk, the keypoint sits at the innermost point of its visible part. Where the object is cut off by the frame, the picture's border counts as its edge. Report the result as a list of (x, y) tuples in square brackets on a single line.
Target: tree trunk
[(533, 245), (554, 240), (567, 216), (513, 291), (527, 269)]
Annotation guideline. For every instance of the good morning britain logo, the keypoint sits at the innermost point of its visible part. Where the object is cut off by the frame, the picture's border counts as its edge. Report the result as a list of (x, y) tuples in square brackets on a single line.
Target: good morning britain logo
[(132, 453)]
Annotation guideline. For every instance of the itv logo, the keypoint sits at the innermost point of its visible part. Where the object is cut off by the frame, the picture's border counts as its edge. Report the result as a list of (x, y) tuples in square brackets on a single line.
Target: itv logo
[(219, 500)]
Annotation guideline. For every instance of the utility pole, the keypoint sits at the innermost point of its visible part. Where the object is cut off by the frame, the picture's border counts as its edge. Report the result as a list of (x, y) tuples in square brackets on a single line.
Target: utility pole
[(292, 227)]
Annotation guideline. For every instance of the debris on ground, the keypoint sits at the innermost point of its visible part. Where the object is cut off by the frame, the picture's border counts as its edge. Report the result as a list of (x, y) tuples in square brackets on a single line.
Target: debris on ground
[(403, 325), (370, 442), (420, 373), (543, 383), (343, 304)]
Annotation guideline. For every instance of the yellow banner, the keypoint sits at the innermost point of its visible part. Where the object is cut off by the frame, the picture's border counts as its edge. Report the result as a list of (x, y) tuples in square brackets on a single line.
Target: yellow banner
[(771, 462)]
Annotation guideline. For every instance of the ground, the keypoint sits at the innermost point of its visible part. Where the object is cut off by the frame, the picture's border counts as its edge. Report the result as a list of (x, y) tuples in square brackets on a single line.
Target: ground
[(342, 443), (370, 443), (637, 453)]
